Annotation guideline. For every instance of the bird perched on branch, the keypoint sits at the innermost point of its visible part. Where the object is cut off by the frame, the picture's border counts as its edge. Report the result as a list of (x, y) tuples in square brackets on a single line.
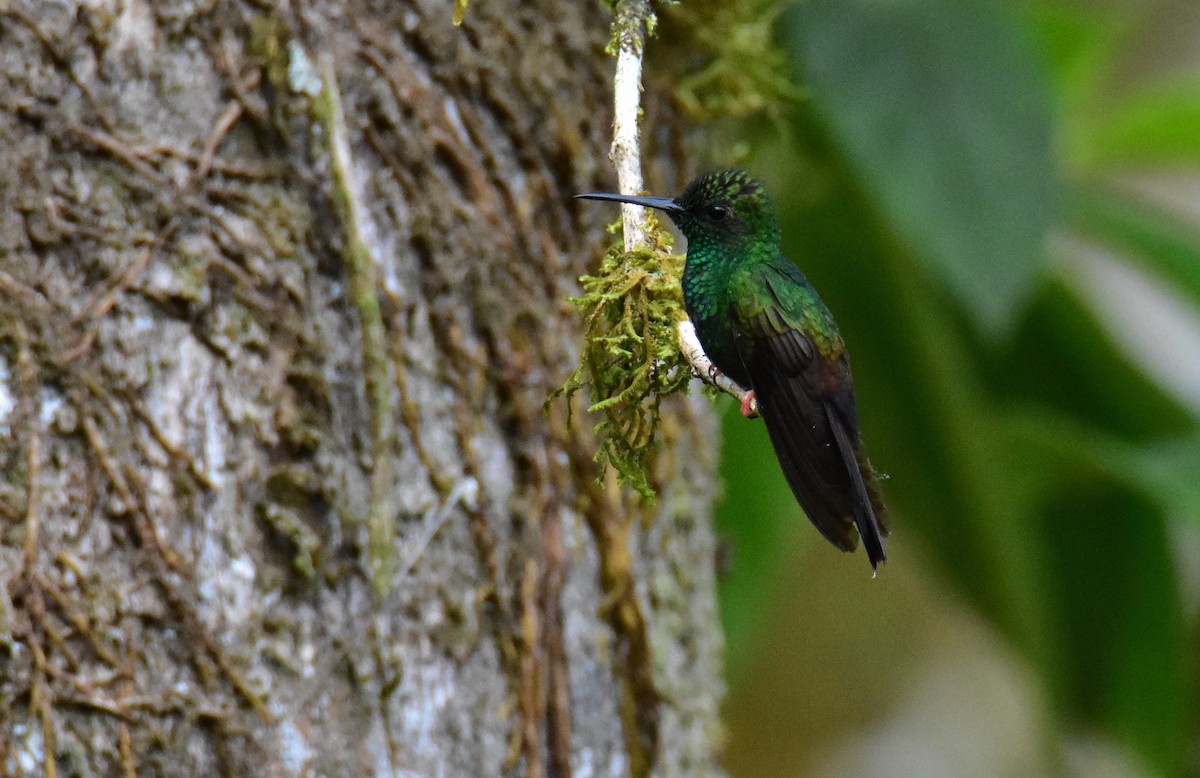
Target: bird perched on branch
[(762, 324)]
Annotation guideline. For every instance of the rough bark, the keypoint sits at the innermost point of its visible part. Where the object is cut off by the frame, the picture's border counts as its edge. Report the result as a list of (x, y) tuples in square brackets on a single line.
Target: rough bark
[(277, 491)]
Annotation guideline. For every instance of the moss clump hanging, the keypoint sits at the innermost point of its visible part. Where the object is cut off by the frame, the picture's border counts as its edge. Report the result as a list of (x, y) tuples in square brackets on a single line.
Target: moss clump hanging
[(631, 359)]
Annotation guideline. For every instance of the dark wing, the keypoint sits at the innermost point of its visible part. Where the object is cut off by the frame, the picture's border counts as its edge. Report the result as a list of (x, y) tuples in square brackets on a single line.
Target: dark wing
[(801, 377)]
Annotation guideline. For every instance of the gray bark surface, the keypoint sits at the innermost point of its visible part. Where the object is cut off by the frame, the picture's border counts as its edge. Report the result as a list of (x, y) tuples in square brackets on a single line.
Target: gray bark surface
[(231, 400)]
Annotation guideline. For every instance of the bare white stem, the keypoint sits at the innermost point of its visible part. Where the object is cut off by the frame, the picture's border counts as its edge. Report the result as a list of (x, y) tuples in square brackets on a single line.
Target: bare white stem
[(689, 344), (626, 147)]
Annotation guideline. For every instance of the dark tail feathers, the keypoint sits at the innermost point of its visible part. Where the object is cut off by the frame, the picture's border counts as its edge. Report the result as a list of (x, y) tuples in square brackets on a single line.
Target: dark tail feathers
[(870, 528)]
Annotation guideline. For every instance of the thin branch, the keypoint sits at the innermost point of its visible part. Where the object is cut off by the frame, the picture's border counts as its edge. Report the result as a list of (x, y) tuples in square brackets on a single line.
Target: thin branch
[(360, 268), (689, 344), (79, 623), (630, 25), (224, 123)]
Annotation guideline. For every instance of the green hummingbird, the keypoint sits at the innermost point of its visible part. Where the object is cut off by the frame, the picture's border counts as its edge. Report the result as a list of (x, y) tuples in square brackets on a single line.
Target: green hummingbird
[(763, 325)]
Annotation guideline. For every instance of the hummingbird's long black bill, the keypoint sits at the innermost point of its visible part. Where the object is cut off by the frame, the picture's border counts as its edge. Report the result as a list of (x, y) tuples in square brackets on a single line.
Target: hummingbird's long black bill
[(660, 203)]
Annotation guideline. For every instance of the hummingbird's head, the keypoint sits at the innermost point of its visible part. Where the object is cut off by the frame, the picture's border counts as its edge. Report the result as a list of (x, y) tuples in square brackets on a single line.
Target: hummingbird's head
[(726, 207), (723, 209)]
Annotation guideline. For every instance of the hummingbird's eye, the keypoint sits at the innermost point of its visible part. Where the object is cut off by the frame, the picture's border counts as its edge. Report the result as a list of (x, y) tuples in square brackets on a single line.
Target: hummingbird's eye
[(718, 213)]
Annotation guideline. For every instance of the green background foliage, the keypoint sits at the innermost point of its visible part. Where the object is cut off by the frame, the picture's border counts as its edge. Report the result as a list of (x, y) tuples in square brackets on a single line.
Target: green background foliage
[(971, 186)]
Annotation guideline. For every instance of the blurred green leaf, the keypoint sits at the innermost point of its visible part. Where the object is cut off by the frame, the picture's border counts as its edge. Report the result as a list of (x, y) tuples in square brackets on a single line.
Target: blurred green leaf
[(1169, 471), (1163, 244), (1061, 357), (1079, 49), (1163, 471), (1081, 426), (1118, 654), (944, 117), (1160, 125)]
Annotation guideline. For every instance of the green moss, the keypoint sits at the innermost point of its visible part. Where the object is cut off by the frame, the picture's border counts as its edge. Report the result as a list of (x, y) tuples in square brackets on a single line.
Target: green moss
[(631, 358), (305, 544), (742, 69), (290, 491), (268, 46), (460, 11), (633, 22)]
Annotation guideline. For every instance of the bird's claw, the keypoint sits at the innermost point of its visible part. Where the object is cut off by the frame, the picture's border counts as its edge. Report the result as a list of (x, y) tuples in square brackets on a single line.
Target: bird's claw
[(749, 405)]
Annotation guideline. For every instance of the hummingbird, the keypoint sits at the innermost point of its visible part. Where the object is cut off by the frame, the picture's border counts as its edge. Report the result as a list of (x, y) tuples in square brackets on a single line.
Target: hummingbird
[(762, 324)]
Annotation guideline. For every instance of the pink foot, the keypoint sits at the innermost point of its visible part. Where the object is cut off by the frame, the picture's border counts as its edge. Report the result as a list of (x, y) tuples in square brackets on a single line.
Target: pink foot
[(749, 407)]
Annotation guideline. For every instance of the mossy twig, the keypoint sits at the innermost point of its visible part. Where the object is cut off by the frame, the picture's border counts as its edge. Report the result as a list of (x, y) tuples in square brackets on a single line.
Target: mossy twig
[(360, 269)]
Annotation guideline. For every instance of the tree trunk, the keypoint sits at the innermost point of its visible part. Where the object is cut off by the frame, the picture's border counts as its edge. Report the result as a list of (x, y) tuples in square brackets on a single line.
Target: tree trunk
[(283, 289)]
